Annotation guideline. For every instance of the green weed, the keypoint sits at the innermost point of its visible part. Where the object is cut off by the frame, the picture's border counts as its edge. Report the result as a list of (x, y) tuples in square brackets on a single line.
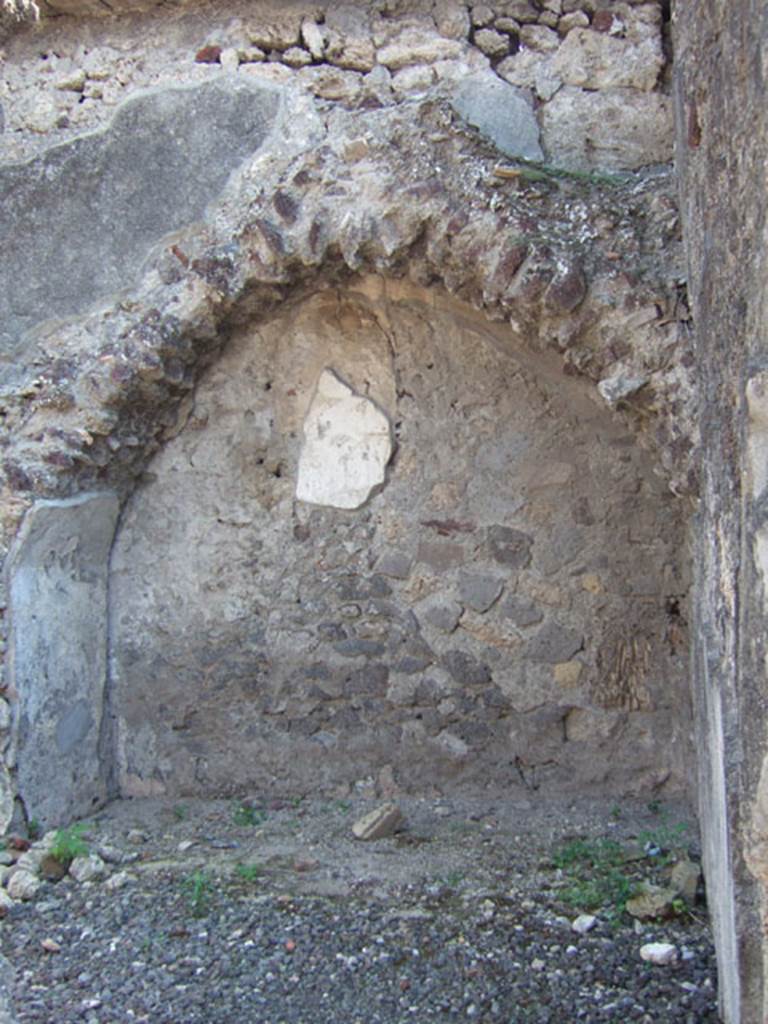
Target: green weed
[(68, 843), (246, 815), (549, 174), (597, 853), (198, 889), (666, 838), (248, 873), (595, 879), (180, 812)]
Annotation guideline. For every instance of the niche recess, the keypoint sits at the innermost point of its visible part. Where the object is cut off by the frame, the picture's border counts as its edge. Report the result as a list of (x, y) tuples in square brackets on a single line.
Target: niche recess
[(506, 608)]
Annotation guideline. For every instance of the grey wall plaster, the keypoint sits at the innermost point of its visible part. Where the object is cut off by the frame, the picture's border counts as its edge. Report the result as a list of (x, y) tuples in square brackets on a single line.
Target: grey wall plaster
[(163, 157), (57, 576)]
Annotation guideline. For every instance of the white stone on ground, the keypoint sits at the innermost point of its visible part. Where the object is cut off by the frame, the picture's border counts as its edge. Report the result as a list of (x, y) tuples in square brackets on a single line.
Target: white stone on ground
[(87, 868), (660, 953), (584, 923)]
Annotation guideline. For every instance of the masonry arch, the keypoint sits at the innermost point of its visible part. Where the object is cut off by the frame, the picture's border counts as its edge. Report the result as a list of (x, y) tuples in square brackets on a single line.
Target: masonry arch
[(552, 313)]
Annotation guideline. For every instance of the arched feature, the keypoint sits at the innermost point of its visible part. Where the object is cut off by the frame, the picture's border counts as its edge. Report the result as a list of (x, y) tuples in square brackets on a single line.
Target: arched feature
[(108, 390), (101, 390), (504, 611)]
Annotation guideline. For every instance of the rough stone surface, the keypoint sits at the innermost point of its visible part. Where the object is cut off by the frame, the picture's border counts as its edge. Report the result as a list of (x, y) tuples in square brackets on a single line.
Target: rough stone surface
[(494, 44), (500, 112), (378, 824), (721, 150), (479, 592), (593, 60), (529, 70), (413, 47), (553, 644), (57, 573), (7, 793), (452, 19), (132, 183), (334, 640), (617, 129), (23, 885)]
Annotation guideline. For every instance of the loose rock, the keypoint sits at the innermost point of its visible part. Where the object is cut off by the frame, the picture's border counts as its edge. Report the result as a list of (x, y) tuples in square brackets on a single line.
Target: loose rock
[(378, 824), (87, 868), (661, 953), (23, 885)]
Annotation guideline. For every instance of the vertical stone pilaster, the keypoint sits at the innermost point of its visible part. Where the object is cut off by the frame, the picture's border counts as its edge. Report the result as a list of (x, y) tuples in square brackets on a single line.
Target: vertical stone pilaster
[(57, 585)]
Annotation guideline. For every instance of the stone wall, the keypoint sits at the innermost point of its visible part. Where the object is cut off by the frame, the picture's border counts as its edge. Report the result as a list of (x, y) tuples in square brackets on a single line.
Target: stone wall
[(504, 611), (722, 154), (198, 188), (590, 75), (512, 155)]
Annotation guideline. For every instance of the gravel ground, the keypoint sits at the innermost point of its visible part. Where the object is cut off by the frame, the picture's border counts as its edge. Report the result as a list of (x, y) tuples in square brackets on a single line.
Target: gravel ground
[(270, 912)]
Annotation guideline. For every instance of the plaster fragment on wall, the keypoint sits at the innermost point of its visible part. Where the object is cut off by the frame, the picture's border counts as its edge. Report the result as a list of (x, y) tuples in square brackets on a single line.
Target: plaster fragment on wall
[(757, 436), (347, 445)]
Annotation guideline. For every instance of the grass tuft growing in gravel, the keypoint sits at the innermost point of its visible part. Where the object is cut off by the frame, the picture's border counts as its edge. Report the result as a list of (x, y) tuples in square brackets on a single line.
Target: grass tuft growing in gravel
[(198, 889), (68, 843)]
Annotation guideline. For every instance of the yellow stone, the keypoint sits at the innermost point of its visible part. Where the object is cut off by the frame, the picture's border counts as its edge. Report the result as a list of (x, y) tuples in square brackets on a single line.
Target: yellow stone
[(567, 673), (592, 583)]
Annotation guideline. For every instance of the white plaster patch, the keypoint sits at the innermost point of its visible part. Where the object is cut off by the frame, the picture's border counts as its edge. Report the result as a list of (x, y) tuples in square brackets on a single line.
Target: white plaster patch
[(757, 436), (347, 445)]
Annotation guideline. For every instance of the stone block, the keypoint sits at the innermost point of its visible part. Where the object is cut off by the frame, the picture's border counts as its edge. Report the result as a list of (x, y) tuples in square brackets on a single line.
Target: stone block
[(277, 31), (451, 19), (414, 47), (479, 592), (500, 112), (568, 673), (527, 69), (465, 668), (596, 60), (559, 549), (440, 612), (492, 44), (395, 564), (165, 155), (57, 578), (378, 824), (554, 643), (509, 547), (23, 885), (614, 129), (539, 38), (520, 611), (440, 556), (87, 868)]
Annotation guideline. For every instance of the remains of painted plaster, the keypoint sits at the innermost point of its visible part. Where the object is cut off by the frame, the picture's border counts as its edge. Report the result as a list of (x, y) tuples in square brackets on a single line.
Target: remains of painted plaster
[(347, 445)]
